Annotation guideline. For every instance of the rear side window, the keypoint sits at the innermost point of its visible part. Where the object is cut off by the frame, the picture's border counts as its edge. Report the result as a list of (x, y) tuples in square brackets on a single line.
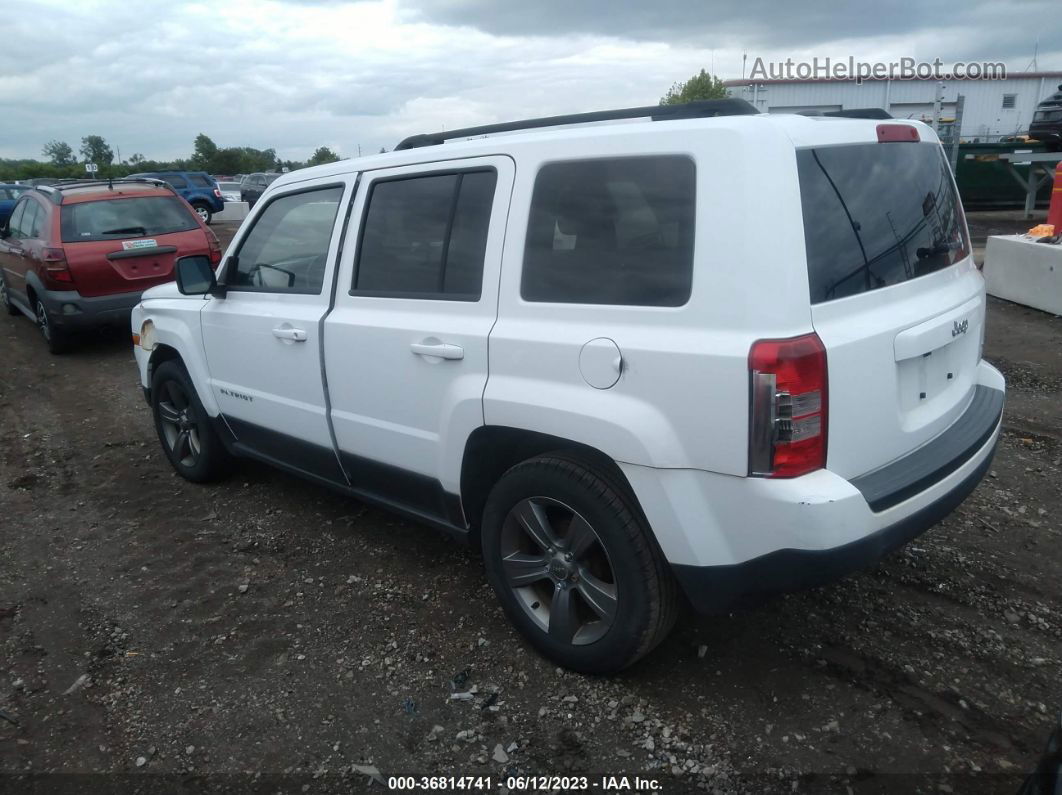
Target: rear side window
[(175, 180), (877, 215), (200, 181), (287, 248), (135, 216), (425, 237), (616, 231)]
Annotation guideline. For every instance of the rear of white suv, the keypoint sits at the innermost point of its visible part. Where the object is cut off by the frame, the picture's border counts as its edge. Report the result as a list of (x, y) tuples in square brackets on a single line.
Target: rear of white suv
[(877, 422)]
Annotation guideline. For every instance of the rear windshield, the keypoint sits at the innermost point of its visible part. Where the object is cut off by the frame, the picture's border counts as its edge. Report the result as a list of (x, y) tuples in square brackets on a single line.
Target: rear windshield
[(877, 215), (139, 216)]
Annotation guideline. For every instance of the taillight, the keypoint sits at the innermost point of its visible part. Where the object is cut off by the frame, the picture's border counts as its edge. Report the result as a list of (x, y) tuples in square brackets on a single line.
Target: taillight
[(215, 247), (217, 192), (788, 407), (55, 266)]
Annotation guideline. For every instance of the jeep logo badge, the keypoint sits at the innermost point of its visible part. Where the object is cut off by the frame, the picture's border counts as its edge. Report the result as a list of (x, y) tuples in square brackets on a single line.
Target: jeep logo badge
[(959, 328)]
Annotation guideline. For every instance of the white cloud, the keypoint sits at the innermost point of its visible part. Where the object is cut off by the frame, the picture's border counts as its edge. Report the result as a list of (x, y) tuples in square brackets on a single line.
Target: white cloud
[(291, 75)]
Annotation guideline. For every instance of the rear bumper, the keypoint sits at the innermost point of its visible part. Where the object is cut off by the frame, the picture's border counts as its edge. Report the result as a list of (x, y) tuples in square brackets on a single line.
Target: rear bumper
[(68, 309), (734, 541)]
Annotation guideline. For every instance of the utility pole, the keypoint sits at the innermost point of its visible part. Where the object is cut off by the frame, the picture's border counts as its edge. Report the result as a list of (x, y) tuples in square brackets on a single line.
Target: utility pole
[(938, 100)]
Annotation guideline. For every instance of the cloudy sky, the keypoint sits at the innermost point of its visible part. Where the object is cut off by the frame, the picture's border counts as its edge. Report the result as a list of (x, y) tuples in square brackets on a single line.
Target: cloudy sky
[(297, 74)]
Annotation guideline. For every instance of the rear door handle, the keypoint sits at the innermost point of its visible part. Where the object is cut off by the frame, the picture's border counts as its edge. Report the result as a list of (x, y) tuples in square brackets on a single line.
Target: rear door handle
[(295, 334), (439, 349)]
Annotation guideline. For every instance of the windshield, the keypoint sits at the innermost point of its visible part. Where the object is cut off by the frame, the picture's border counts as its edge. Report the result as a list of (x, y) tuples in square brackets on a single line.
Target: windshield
[(138, 216), (877, 215)]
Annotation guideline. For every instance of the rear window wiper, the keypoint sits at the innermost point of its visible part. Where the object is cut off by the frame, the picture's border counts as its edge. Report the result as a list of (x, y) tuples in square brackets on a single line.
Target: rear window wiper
[(126, 230)]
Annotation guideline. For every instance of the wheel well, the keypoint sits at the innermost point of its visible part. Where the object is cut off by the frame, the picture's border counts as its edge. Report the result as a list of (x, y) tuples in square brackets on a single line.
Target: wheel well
[(492, 450), (160, 354), (31, 296)]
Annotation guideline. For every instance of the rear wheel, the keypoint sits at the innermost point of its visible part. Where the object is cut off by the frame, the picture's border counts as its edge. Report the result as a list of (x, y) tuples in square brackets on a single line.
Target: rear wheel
[(54, 338), (184, 428), (203, 211), (575, 567), (5, 299)]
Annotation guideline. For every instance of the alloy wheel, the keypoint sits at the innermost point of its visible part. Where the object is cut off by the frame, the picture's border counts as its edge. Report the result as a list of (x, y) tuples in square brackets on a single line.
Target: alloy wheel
[(203, 213), (179, 426), (42, 322), (559, 570)]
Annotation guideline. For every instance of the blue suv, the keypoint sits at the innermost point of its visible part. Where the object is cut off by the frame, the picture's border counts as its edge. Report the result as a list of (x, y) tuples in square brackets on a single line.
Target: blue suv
[(196, 187)]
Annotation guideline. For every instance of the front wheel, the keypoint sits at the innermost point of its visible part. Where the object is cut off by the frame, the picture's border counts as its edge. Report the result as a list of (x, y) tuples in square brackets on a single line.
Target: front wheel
[(204, 212), (5, 298), (575, 567), (184, 428)]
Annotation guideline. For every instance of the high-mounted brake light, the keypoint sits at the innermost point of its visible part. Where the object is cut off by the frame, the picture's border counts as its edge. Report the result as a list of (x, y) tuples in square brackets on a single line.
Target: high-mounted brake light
[(788, 407), (55, 265), (897, 133)]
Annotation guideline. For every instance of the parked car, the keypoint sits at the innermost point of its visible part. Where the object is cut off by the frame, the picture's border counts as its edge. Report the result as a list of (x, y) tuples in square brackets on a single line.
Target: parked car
[(1047, 121), (196, 187), (253, 186), (9, 194), (78, 255), (230, 191), (578, 349)]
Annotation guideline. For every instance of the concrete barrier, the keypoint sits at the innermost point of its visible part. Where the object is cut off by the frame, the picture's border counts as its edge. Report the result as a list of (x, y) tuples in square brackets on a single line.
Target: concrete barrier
[(234, 211), (1025, 272)]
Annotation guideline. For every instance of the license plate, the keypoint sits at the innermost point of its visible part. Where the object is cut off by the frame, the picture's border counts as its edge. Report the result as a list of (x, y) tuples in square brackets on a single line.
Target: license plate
[(146, 243)]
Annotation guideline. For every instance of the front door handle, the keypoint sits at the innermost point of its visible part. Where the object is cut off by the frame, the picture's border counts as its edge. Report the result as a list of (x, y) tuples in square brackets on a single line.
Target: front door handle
[(439, 349), (294, 334)]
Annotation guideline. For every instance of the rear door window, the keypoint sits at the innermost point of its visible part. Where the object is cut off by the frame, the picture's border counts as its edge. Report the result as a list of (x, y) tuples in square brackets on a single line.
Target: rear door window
[(175, 180), (877, 215), (425, 237), (113, 219), (612, 231), (200, 181)]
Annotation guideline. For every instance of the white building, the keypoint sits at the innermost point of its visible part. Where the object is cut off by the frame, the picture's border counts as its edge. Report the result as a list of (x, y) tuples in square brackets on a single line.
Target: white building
[(991, 108)]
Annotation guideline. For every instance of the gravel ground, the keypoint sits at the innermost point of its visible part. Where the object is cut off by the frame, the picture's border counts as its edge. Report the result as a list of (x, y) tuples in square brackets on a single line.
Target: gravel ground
[(267, 635)]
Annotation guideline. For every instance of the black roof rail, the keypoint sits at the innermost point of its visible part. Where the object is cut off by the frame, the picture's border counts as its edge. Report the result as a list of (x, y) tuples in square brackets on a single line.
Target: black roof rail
[(55, 191), (691, 110), (850, 113)]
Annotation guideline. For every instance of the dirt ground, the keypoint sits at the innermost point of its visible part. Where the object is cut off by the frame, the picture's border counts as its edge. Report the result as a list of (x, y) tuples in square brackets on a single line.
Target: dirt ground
[(266, 635)]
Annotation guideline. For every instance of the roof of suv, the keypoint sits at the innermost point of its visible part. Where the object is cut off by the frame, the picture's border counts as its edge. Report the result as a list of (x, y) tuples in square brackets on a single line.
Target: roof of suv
[(795, 130)]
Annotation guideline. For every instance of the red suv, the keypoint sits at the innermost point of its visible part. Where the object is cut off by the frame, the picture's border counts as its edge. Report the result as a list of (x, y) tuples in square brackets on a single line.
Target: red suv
[(78, 255)]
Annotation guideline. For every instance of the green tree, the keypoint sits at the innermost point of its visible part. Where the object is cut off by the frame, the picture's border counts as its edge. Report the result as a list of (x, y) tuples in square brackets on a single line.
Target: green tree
[(700, 86), (322, 155), (95, 150), (136, 159), (205, 152), (59, 153)]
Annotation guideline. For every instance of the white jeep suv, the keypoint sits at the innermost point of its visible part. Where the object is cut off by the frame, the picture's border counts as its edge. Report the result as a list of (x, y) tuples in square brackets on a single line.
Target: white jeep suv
[(706, 356)]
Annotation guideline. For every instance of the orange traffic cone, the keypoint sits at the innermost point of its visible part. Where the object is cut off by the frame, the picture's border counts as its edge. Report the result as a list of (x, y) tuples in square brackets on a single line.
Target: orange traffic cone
[(1054, 211)]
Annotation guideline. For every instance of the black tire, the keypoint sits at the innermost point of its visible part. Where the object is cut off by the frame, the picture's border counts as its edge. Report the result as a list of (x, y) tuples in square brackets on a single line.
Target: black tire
[(5, 299), (203, 211), (56, 339), (184, 428), (644, 599)]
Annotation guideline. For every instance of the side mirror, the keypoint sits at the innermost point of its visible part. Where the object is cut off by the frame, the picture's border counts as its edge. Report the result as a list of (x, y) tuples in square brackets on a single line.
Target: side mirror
[(195, 276)]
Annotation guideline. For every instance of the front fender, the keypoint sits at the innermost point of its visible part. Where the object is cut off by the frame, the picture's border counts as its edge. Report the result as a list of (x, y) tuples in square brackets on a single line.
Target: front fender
[(175, 324)]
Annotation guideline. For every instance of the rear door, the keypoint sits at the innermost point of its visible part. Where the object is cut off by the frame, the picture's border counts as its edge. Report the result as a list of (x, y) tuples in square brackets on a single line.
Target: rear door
[(406, 345), (129, 242), (262, 339), (896, 297)]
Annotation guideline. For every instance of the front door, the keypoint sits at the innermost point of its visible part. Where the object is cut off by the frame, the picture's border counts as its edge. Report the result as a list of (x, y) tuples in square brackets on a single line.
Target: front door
[(406, 345), (263, 338)]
